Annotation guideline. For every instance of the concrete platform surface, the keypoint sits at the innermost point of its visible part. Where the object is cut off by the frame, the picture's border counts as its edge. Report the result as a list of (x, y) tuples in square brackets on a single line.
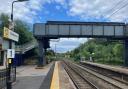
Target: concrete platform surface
[(110, 67), (30, 78), (65, 81), (60, 78)]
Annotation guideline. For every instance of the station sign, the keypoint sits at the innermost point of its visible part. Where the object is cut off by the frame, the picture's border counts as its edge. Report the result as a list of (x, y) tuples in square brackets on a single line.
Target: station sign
[(10, 53), (9, 34)]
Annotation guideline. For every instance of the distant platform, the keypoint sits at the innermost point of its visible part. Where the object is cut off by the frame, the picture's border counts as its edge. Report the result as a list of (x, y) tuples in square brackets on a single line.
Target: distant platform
[(110, 67)]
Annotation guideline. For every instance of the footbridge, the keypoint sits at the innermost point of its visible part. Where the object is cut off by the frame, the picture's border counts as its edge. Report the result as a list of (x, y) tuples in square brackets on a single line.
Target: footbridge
[(43, 32), (21, 50)]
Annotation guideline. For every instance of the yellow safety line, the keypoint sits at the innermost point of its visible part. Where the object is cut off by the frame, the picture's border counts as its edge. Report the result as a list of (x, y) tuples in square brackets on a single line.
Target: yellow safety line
[(55, 78)]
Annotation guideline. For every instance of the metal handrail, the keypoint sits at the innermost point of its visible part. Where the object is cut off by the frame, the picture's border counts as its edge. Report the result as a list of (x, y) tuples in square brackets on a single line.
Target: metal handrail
[(27, 46)]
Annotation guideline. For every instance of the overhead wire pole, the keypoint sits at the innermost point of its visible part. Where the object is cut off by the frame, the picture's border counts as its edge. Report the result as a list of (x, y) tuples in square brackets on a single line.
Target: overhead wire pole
[(11, 27)]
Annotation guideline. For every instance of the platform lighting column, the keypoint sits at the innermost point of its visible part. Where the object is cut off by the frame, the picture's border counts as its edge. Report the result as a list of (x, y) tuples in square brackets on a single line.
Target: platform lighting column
[(9, 82)]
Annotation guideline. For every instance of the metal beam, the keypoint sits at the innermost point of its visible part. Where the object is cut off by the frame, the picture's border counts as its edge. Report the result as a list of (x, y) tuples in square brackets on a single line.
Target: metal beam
[(80, 29)]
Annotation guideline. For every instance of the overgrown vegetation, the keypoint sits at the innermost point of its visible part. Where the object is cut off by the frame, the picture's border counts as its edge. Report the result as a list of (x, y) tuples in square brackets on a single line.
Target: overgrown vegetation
[(24, 32), (50, 55), (100, 50), (21, 28), (3, 22)]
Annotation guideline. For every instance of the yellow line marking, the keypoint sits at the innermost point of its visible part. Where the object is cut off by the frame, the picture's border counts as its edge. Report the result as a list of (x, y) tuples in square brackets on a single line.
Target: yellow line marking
[(55, 78)]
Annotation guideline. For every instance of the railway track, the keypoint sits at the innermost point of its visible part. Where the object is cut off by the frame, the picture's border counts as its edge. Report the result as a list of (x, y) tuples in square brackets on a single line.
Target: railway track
[(84, 78), (79, 81), (107, 73)]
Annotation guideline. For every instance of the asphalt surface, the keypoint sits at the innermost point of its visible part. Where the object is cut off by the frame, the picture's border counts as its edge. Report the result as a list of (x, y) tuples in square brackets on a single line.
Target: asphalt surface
[(28, 82), (30, 78)]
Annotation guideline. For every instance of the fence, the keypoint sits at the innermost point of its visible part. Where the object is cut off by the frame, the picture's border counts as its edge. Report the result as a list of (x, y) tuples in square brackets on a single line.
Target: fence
[(3, 77)]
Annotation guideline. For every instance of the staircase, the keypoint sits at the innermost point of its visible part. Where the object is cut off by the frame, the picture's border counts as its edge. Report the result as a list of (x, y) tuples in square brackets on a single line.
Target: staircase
[(26, 47)]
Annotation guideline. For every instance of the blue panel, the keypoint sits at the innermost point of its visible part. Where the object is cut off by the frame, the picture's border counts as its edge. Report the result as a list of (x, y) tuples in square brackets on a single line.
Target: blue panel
[(18, 60)]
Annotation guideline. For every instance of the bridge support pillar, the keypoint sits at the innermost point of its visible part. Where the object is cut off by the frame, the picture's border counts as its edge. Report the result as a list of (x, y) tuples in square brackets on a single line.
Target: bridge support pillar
[(41, 59), (126, 52)]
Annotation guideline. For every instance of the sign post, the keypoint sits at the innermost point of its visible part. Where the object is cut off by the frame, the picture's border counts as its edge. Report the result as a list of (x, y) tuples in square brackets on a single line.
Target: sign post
[(11, 36)]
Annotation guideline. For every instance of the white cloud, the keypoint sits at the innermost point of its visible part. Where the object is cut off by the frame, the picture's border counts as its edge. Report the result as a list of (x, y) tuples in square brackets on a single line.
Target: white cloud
[(65, 44), (23, 10), (61, 2), (97, 9), (83, 8)]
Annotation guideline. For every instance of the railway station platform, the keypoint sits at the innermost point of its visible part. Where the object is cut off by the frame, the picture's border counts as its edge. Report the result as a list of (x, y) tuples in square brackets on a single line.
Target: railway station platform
[(58, 78), (119, 69), (28, 77), (69, 75), (52, 76)]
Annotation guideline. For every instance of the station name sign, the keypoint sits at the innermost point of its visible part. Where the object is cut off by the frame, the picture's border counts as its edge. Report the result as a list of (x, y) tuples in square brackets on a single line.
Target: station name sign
[(9, 34)]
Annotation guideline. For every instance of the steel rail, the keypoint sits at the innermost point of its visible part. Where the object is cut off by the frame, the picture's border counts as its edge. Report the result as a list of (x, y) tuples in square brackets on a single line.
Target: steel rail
[(104, 74), (87, 81), (80, 68)]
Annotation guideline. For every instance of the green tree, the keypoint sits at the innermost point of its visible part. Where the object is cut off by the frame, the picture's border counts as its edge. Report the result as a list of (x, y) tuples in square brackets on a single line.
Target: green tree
[(118, 51), (4, 18), (104, 52), (23, 30)]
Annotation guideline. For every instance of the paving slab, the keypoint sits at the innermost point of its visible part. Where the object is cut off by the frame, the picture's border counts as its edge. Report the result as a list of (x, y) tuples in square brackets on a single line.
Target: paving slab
[(65, 81), (30, 78), (60, 79), (28, 82)]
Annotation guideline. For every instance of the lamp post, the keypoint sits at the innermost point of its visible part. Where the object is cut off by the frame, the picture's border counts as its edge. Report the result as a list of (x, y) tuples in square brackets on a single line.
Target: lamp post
[(11, 27), (13, 5)]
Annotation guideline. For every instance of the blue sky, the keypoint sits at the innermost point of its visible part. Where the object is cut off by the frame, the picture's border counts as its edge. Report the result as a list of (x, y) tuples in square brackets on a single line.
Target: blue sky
[(56, 11), (35, 11)]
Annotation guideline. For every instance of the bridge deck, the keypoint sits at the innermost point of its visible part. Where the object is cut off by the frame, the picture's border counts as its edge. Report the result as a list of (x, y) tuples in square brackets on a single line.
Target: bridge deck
[(80, 29)]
